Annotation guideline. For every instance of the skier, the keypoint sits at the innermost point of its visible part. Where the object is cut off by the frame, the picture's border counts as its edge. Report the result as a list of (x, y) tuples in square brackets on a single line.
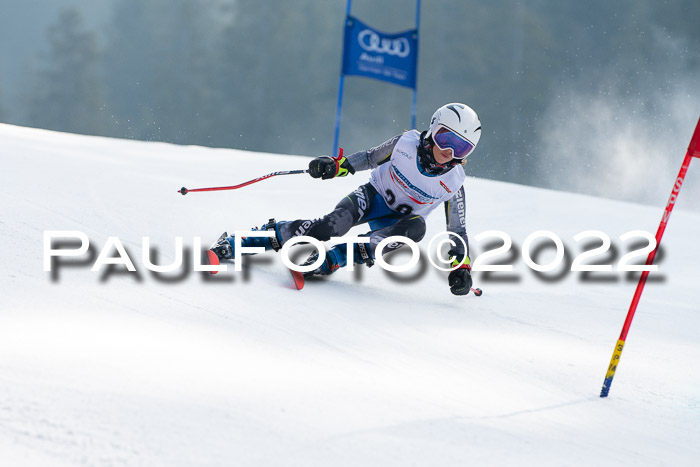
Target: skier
[(412, 173)]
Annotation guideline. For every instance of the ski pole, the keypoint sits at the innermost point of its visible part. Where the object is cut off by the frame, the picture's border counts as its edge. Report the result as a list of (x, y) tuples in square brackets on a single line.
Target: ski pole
[(184, 190), (477, 292)]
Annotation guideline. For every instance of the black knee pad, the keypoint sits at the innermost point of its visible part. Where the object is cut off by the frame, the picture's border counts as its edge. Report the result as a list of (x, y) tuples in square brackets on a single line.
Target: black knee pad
[(414, 228), (334, 224)]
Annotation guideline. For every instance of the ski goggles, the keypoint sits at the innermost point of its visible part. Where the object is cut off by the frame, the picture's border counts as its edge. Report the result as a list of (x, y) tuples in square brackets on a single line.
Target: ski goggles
[(445, 138)]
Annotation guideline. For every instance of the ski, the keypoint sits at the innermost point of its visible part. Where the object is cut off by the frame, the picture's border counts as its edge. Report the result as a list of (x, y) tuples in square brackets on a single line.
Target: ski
[(213, 260), (298, 278), (212, 257)]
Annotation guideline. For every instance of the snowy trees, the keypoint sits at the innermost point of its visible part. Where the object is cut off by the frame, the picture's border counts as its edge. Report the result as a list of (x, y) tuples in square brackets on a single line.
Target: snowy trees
[(66, 94), (157, 70), (263, 75)]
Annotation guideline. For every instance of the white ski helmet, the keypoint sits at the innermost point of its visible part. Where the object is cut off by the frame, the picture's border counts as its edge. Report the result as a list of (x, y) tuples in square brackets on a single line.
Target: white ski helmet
[(457, 127)]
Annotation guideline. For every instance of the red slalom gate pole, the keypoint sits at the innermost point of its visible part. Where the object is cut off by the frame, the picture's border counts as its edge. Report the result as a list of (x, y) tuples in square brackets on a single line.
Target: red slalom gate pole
[(693, 151)]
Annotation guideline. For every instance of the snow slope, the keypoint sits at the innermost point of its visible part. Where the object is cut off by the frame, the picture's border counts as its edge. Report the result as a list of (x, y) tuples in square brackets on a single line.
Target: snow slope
[(117, 368)]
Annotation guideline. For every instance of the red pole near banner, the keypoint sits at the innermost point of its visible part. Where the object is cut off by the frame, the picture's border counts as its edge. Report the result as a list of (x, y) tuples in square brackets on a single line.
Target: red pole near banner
[(693, 151)]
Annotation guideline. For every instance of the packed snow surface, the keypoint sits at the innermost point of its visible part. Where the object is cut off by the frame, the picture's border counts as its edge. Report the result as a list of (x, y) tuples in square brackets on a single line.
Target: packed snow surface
[(364, 369)]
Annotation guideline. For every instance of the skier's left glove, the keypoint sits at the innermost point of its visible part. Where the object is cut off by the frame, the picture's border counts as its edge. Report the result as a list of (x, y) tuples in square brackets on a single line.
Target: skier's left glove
[(460, 279), (326, 167)]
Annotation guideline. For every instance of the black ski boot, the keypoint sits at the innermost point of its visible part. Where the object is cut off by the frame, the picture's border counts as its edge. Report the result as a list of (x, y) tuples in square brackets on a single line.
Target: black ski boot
[(222, 248), (337, 258)]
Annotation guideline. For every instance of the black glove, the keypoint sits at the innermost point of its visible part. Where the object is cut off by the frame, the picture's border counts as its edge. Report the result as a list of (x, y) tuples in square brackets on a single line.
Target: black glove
[(460, 279), (326, 167)]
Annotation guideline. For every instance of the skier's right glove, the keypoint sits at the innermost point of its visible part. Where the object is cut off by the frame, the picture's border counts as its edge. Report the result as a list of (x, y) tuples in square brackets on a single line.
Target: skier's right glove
[(460, 279), (326, 167)]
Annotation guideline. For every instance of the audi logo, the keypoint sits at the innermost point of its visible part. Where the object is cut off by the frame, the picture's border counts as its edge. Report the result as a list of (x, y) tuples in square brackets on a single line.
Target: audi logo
[(371, 42)]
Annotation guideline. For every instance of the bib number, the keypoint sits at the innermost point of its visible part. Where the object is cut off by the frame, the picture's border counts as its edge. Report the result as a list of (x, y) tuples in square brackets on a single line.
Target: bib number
[(391, 200)]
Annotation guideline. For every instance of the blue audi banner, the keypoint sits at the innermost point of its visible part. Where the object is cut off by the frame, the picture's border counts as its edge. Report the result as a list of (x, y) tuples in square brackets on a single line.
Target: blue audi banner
[(374, 54)]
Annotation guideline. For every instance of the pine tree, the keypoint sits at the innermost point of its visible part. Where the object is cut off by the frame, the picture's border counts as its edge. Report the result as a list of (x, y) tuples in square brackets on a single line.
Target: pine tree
[(66, 93), (158, 69), (277, 78)]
